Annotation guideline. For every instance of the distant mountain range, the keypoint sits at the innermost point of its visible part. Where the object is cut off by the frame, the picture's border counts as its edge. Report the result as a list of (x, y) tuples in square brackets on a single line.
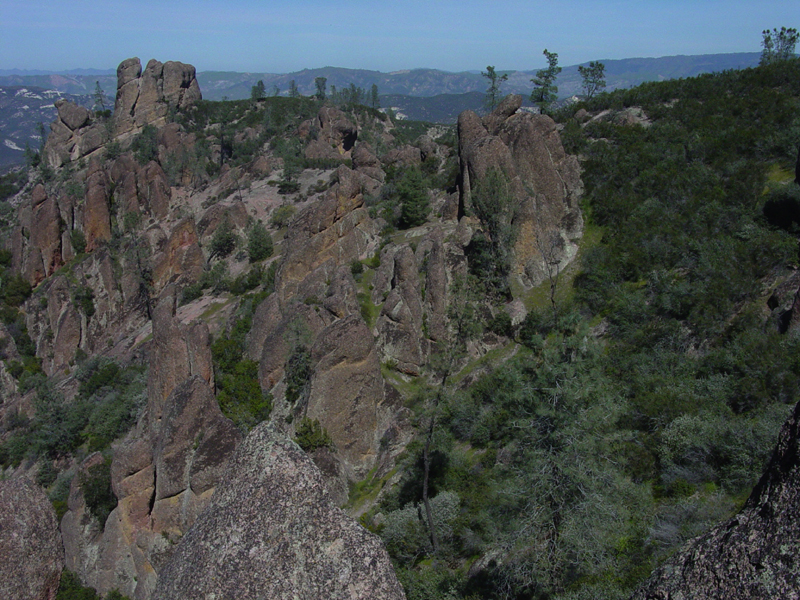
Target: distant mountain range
[(420, 94)]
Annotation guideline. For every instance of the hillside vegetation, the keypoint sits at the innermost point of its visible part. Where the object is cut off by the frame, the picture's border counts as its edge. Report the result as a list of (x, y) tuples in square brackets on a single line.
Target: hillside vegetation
[(644, 409), (320, 265)]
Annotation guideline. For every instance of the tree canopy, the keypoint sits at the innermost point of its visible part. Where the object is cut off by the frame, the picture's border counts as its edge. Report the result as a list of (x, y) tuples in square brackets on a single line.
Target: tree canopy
[(545, 90)]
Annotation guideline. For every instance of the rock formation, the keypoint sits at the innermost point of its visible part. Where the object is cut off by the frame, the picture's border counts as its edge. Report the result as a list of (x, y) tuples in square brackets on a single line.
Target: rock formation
[(145, 98), (271, 531), (163, 474), (544, 183), (73, 135), (30, 545), (754, 555)]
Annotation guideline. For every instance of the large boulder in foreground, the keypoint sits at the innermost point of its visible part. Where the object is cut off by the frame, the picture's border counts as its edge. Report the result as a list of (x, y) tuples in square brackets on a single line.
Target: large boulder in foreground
[(754, 555), (271, 531), (30, 545)]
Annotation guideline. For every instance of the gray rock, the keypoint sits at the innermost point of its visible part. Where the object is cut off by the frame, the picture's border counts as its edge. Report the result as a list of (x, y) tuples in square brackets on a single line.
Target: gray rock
[(272, 532), (30, 545)]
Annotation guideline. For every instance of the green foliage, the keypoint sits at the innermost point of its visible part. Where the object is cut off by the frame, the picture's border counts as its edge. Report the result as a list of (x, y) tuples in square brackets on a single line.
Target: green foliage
[(778, 45), (258, 91), (490, 251), (259, 242), (414, 203), (83, 299), (70, 588), (145, 145), (108, 402), (239, 392), (593, 78), (493, 91), (223, 241), (282, 216), (11, 183), (298, 372), (312, 436), (78, 240), (545, 90), (97, 492), (15, 290)]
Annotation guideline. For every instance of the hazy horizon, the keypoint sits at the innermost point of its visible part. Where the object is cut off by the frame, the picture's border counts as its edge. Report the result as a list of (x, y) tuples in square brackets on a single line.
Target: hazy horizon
[(283, 37)]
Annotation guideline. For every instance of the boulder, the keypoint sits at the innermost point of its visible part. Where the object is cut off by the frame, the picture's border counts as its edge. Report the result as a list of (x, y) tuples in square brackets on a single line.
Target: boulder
[(30, 543), (754, 554), (71, 114), (271, 531)]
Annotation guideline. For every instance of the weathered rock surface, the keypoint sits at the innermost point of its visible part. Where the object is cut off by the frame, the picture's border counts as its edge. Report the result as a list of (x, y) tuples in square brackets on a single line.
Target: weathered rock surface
[(754, 555), (346, 389), (544, 183), (163, 474), (335, 134), (30, 545), (271, 531), (324, 236), (145, 97), (73, 135)]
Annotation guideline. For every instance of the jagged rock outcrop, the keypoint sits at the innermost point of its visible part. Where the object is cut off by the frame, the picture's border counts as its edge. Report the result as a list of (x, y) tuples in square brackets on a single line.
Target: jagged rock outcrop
[(334, 135), (179, 256), (324, 236), (271, 531), (163, 474), (73, 135), (30, 545), (41, 224), (754, 555), (544, 183), (399, 327), (346, 389), (145, 98), (96, 214)]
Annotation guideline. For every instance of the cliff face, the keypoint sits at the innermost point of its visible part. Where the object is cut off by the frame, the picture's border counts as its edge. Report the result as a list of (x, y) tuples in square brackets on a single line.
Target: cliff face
[(752, 555), (30, 543)]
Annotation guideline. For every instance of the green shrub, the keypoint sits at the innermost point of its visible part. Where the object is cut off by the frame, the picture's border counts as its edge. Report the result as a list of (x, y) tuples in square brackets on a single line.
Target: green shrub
[(282, 216), (224, 240), (311, 435), (298, 372), (259, 242), (78, 240), (145, 145), (414, 202), (97, 492), (83, 299)]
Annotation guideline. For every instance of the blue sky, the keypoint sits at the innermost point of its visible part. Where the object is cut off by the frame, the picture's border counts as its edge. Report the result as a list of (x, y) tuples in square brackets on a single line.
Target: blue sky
[(280, 36)]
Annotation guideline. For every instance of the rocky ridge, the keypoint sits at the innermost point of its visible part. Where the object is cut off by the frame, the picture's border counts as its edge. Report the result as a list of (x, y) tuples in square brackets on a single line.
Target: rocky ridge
[(128, 239)]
